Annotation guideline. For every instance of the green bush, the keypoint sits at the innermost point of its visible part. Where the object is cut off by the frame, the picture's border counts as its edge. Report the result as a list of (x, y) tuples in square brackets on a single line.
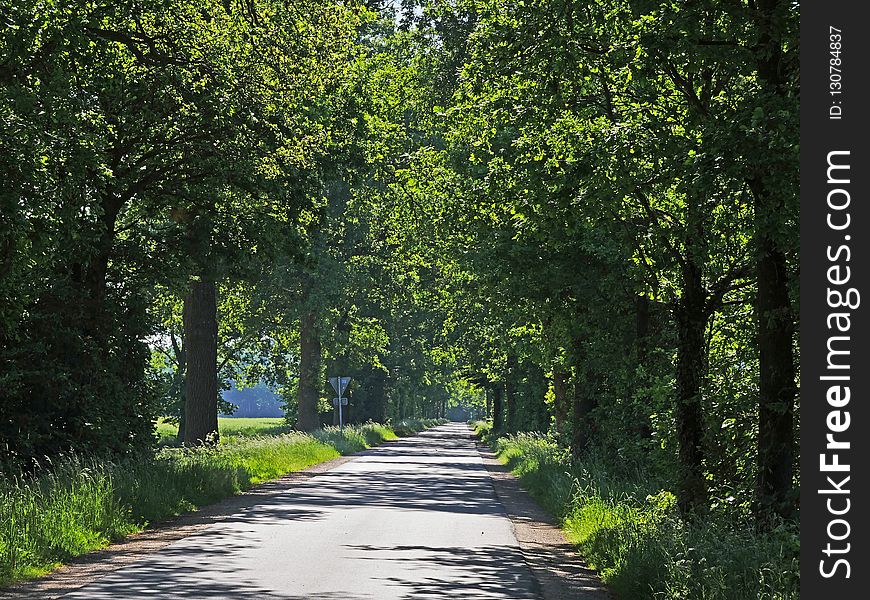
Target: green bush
[(375, 433), (633, 535), (483, 430)]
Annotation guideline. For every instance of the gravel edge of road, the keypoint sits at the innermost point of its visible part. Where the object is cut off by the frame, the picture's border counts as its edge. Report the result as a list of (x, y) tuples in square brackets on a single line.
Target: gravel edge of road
[(561, 572), (87, 568), (554, 562)]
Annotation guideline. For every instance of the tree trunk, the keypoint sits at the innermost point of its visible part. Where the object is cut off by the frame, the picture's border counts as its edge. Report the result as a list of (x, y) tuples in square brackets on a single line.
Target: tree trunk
[(510, 393), (777, 388), (560, 398), (775, 318), (497, 408), (200, 346), (641, 353), (182, 424), (535, 402), (309, 373), (93, 349), (92, 274), (691, 313), (585, 400), (691, 320), (377, 397), (641, 322)]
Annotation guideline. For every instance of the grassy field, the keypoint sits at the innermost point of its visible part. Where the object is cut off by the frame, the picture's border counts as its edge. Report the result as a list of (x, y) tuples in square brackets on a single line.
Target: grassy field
[(229, 427), (632, 534), (76, 505)]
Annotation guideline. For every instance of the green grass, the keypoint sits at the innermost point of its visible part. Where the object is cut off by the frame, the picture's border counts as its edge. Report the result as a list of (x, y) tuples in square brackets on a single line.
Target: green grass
[(407, 427), (633, 535), (75, 505), (483, 430), (229, 427)]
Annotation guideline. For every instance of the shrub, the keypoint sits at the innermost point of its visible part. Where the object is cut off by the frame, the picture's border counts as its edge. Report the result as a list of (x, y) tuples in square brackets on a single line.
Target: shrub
[(483, 430), (630, 530)]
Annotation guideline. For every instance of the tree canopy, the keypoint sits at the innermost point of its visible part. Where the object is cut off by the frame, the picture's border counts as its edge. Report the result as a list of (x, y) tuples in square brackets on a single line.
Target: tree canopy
[(569, 217)]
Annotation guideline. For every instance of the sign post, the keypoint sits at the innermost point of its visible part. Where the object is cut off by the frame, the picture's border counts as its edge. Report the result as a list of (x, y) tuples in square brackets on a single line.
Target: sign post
[(339, 384)]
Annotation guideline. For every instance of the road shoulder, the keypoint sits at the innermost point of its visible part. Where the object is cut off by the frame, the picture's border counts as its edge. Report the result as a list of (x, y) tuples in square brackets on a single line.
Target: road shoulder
[(553, 560), (87, 568)]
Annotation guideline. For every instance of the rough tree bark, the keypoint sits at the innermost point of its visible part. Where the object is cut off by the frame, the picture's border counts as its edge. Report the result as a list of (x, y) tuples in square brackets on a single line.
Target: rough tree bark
[(309, 373), (775, 334), (584, 401), (497, 408), (641, 353), (777, 390), (510, 393), (691, 316), (200, 344), (560, 401)]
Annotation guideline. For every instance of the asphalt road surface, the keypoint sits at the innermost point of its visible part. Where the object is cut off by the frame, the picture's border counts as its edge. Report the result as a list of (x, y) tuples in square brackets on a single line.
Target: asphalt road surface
[(414, 519)]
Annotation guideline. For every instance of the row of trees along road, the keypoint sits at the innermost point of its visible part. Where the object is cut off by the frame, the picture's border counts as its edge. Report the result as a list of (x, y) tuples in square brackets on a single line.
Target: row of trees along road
[(573, 216)]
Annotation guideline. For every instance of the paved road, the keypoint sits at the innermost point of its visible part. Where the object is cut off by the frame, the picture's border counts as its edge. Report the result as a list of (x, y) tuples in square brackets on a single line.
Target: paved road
[(415, 519)]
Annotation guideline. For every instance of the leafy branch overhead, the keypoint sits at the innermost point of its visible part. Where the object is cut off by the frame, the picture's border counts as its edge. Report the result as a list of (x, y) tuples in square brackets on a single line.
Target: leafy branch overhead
[(574, 218)]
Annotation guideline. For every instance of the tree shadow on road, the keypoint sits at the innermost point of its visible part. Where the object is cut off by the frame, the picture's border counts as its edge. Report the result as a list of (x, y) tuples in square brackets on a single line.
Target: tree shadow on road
[(409, 491), (478, 573), (193, 570)]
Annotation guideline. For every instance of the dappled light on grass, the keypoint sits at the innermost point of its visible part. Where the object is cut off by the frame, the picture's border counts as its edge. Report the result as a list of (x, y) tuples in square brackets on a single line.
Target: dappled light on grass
[(75, 505), (230, 428), (631, 532)]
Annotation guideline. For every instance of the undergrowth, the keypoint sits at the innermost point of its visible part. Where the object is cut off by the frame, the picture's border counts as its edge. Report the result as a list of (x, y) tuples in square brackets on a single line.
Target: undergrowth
[(632, 533)]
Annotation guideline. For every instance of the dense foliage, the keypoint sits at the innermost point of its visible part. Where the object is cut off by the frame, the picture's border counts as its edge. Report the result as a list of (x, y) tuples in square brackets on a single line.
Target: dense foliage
[(630, 530)]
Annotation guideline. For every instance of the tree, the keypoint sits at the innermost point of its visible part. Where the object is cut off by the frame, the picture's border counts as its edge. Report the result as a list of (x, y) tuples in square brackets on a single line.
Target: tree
[(160, 110)]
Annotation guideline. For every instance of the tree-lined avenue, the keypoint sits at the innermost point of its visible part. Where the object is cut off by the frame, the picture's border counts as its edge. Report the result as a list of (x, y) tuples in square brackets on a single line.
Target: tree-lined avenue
[(416, 519)]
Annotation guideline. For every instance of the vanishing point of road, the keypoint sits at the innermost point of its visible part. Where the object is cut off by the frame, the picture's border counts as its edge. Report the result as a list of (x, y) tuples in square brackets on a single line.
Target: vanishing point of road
[(415, 518)]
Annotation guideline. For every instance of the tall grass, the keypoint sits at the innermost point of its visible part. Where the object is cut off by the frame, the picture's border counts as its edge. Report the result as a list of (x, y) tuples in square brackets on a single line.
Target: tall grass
[(71, 509), (75, 505), (632, 533)]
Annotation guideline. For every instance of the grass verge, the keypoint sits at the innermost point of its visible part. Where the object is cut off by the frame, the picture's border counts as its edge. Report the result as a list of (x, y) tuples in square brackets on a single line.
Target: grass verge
[(229, 428), (633, 535), (76, 505)]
